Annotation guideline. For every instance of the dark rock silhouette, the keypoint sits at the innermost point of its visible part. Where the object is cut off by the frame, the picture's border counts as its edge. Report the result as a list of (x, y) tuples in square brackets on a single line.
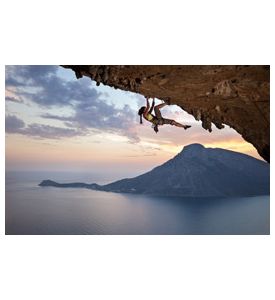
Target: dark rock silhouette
[(195, 172), (69, 185)]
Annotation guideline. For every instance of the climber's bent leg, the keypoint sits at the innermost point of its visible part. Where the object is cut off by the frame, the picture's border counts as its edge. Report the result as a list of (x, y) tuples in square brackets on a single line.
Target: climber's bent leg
[(157, 110)]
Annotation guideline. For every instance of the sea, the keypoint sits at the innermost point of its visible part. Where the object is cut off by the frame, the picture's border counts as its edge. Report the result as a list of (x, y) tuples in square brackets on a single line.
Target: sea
[(34, 210)]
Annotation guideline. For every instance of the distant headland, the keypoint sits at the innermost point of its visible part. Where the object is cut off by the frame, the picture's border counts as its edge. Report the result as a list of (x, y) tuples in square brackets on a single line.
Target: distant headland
[(195, 172)]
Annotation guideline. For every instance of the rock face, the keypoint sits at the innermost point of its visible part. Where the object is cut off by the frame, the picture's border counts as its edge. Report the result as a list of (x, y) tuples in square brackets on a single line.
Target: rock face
[(195, 172), (234, 95)]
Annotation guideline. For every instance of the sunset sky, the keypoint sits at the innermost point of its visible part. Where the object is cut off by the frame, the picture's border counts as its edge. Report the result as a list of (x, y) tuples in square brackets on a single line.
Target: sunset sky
[(55, 122)]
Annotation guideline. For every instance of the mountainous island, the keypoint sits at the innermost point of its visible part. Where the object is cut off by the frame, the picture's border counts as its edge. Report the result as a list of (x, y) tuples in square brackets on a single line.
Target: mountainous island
[(195, 172)]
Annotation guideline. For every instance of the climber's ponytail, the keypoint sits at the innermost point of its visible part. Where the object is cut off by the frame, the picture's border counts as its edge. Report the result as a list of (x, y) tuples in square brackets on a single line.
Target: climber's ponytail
[(140, 112)]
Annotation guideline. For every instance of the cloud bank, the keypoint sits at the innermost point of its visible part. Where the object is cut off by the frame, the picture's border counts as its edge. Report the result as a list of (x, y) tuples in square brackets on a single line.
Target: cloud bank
[(18, 126), (43, 86)]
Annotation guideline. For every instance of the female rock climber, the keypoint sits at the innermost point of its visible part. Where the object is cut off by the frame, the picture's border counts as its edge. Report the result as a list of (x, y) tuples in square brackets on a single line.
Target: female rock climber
[(157, 119)]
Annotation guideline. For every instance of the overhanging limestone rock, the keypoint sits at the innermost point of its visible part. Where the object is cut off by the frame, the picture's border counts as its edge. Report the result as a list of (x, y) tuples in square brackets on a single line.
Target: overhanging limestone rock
[(238, 96)]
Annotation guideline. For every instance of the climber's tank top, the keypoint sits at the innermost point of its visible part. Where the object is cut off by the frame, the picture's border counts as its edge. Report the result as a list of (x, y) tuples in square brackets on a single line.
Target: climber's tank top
[(149, 117)]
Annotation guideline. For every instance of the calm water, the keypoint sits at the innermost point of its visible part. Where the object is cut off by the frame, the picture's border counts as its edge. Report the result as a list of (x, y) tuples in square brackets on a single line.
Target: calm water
[(35, 210)]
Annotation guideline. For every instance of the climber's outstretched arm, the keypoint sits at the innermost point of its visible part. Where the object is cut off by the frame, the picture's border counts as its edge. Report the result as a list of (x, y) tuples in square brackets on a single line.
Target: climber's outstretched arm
[(147, 107), (153, 104)]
